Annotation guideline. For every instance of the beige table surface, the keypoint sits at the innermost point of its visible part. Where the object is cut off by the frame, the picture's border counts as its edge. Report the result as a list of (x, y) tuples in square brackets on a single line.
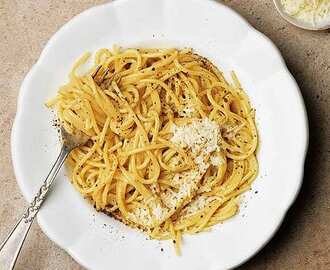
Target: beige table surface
[(303, 241)]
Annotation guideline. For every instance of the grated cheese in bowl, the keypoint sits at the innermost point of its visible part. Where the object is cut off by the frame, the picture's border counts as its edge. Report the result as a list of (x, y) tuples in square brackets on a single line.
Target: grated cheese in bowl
[(312, 12)]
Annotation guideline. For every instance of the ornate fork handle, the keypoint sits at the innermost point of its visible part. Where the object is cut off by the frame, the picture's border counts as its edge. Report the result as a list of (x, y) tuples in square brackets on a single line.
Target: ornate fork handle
[(12, 245)]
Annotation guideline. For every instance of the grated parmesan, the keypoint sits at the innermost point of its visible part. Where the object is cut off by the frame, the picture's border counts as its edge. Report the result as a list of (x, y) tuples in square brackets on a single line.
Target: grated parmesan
[(315, 12), (202, 165), (199, 203), (158, 212), (200, 135), (215, 161), (188, 184), (141, 214)]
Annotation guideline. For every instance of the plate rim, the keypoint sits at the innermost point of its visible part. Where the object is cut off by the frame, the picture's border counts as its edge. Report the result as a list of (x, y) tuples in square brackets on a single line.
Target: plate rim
[(284, 68)]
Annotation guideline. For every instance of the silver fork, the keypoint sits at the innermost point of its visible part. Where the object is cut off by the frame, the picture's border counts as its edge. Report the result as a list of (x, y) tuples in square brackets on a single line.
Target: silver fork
[(10, 248)]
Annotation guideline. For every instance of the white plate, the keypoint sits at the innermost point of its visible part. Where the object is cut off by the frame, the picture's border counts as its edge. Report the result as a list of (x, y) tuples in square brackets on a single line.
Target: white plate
[(99, 242)]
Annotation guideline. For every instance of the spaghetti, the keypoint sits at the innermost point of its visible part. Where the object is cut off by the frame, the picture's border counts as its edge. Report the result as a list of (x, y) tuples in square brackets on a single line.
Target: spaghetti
[(172, 142)]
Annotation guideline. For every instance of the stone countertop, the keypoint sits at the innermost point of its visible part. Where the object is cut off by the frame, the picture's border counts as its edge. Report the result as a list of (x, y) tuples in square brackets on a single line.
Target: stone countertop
[(303, 241)]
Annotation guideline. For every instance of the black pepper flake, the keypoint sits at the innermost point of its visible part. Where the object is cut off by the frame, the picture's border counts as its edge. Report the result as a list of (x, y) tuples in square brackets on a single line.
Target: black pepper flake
[(256, 192), (161, 249), (174, 241)]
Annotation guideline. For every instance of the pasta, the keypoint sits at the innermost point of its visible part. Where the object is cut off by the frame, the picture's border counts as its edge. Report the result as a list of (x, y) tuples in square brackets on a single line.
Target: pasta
[(172, 142)]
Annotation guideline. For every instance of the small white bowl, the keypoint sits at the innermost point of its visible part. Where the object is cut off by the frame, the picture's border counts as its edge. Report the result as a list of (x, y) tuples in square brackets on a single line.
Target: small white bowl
[(297, 22)]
